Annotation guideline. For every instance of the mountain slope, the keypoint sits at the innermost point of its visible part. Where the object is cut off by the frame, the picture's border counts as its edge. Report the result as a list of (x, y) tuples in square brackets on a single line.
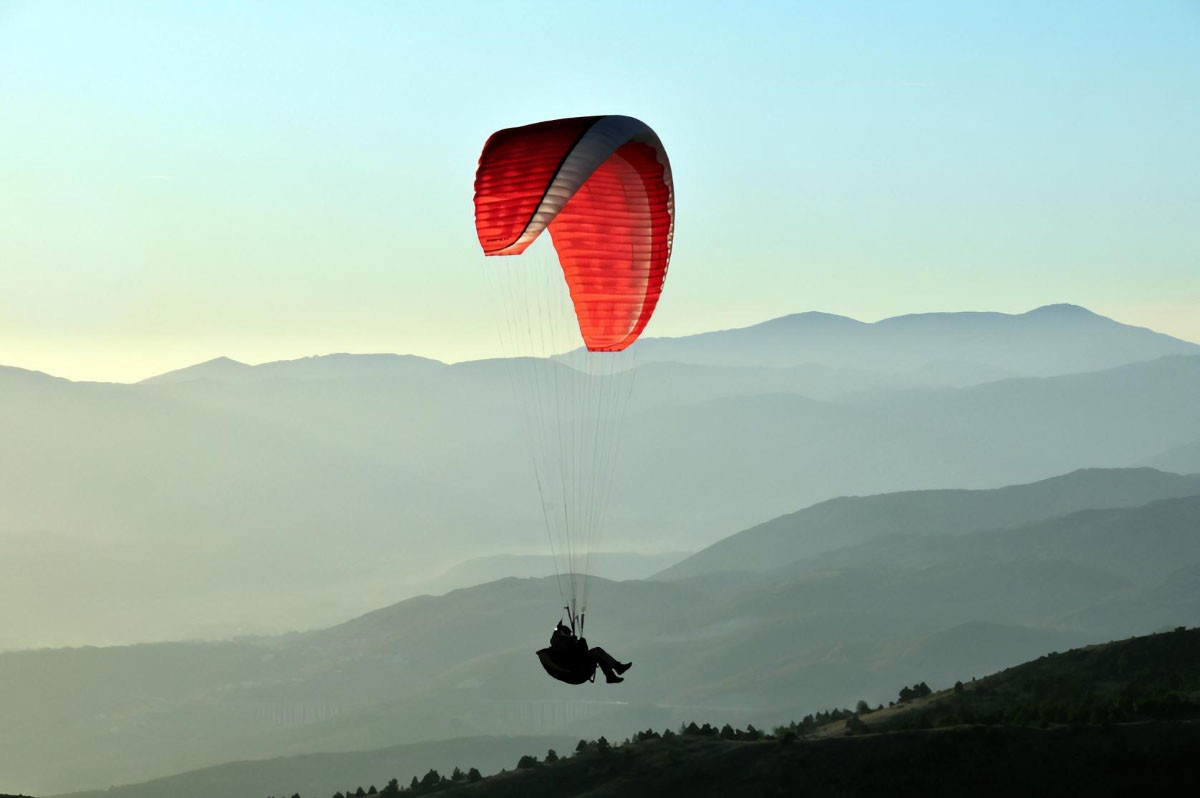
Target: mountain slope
[(1139, 544), (1183, 459), (842, 522), (1174, 600), (324, 774), (781, 451), (1154, 677)]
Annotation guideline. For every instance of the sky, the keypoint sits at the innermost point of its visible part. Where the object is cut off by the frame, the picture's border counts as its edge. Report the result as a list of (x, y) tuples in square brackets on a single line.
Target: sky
[(263, 181)]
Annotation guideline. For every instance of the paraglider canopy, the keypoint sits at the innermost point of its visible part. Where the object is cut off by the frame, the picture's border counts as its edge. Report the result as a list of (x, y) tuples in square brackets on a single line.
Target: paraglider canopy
[(602, 186)]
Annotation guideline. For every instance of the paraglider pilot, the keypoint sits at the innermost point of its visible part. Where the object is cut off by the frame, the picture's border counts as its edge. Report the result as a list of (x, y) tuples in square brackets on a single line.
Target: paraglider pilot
[(570, 660)]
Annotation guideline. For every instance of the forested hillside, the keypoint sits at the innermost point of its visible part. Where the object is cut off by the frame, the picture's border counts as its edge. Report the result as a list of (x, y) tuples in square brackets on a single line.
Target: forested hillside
[(1103, 720)]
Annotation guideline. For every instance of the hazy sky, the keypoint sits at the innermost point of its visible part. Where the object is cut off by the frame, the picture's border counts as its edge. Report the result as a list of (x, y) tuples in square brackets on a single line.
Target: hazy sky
[(270, 180)]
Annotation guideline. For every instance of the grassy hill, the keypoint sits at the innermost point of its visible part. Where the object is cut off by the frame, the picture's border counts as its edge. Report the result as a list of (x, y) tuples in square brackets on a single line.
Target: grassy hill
[(1155, 677)]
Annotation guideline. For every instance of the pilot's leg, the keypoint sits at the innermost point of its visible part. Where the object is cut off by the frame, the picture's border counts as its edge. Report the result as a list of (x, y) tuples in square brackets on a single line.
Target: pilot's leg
[(610, 675), (609, 664)]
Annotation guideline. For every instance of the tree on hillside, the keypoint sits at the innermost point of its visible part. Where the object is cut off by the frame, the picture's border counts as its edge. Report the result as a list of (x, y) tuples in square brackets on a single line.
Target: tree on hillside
[(474, 775), (919, 690), (551, 755)]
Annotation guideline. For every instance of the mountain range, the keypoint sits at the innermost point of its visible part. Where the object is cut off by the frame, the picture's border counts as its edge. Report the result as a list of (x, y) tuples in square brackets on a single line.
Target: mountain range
[(1046, 341), (232, 499)]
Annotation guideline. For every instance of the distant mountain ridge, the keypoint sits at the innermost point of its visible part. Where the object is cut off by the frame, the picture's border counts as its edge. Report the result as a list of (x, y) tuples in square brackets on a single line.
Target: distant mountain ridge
[(853, 520), (1167, 538), (1147, 548), (336, 366), (12, 375), (617, 566), (1053, 339)]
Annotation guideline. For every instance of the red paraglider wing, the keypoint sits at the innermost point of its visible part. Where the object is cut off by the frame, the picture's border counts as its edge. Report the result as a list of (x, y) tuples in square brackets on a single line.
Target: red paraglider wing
[(603, 187)]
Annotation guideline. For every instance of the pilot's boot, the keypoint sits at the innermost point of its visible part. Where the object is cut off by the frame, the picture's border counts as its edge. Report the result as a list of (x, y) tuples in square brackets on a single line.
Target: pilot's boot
[(609, 676)]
